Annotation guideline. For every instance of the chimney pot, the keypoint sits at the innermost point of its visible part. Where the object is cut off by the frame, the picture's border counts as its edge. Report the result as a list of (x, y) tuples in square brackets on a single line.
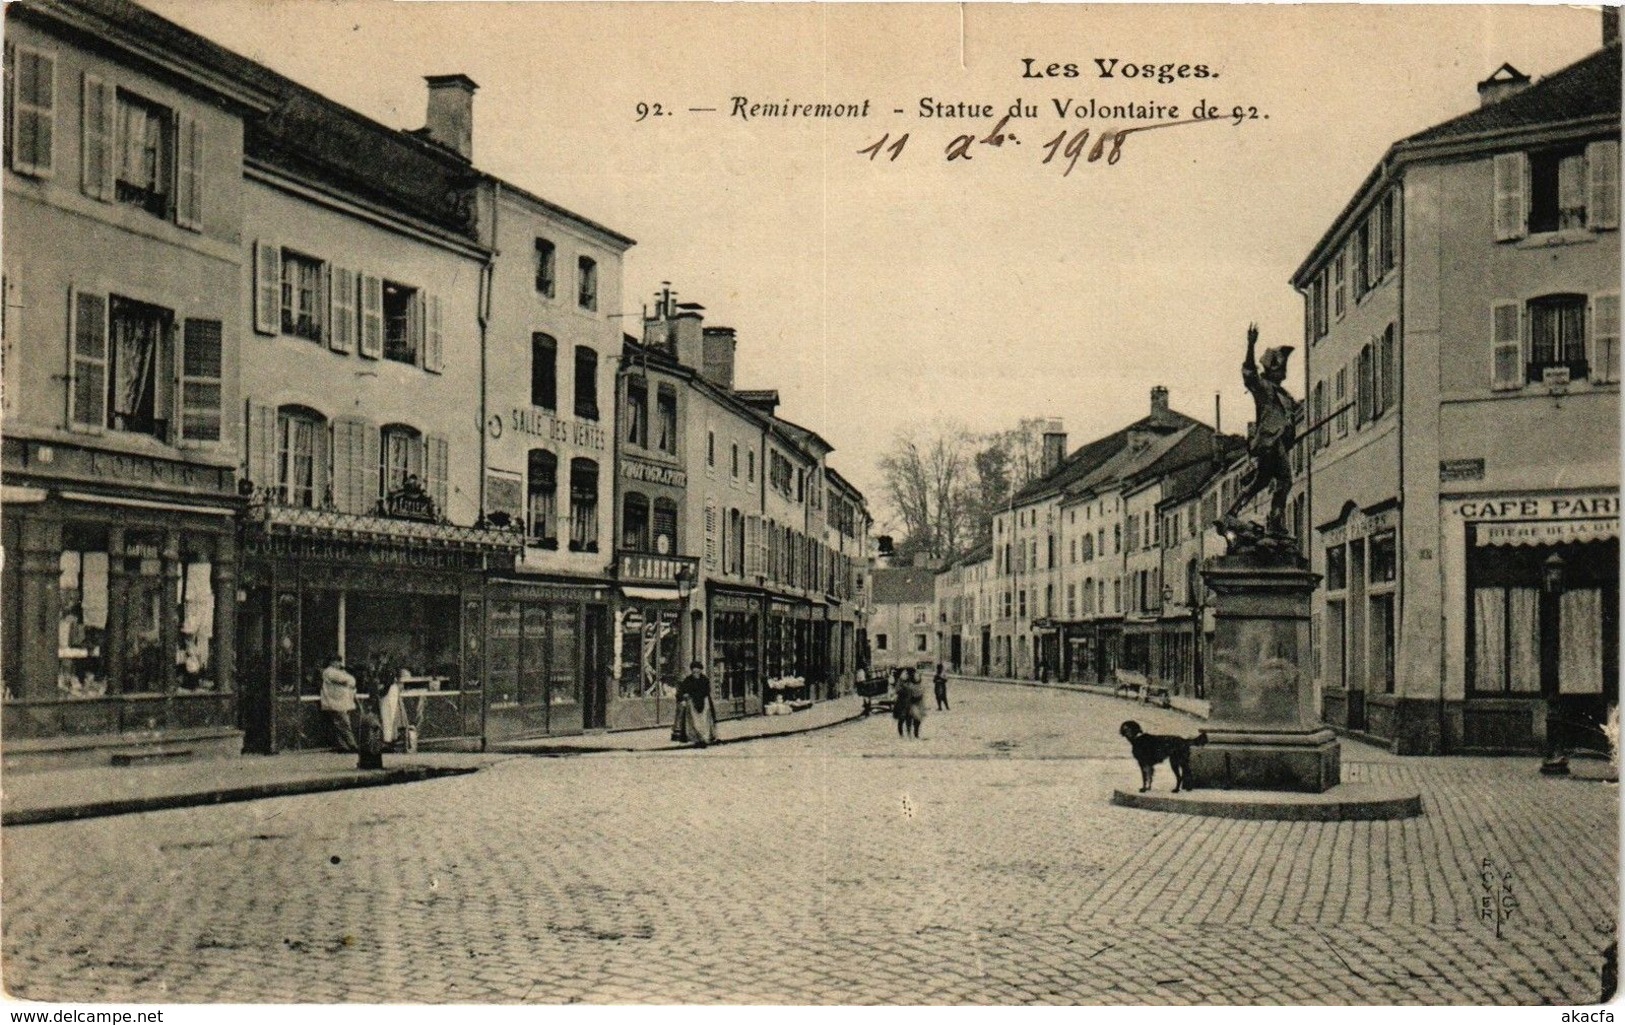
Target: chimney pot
[(1504, 82), (1159, 401), (450, 120), (1610, 25)]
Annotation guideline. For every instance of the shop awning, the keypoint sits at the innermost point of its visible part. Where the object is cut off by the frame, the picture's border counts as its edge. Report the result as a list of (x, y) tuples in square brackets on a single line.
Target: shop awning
[(652, 593), (1545, 532)]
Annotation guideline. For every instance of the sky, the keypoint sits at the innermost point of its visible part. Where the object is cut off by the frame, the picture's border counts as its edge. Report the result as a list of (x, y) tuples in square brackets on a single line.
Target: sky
[(879, 294)]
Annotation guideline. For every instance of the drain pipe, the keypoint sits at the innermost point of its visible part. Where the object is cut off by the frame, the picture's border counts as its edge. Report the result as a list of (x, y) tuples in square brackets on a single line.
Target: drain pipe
[(487, 286)]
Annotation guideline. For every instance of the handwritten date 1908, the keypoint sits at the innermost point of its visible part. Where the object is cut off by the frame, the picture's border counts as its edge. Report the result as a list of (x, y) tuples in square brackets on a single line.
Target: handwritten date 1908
[(1070, 146)]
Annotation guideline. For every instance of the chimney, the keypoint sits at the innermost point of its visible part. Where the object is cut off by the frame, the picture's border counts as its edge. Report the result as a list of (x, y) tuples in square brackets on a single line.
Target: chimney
[(450, 121), (1054, 445), (718, 348), (1159, 401), (1610, 26), (688, 339), (1506, 81)]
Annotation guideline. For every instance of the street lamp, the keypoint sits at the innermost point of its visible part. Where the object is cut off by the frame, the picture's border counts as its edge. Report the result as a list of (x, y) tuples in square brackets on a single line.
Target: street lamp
[(686, 579), (1552, 572)]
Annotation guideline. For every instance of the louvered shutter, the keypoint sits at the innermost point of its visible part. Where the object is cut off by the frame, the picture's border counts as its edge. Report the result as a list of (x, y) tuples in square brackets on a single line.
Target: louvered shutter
[(321, 484), (341, 313), (371, 489), (372, 316), (33, 112), (350, 465), (87, 361), (1604, 355), (433, 349), (1602, 173), (267, 287), (261, 446), (1507, 346), (96, 138), (201, 380), (436, 467), (189, 174), (710, 534), (1511, 215)]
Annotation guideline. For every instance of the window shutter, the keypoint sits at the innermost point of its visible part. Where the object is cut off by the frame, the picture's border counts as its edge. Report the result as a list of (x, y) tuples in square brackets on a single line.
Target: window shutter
[(370, 477), (87, 360), (341, 319), (322, 468), (267, 287), (372, 316), (415, 318), (96, 139), (345, 438), (433, 350), (1604, 357), (1387, 372), (33, 112), (261, 446), (1602, 173), (1511, 216), (201, 377), (1507, 346), (435, 469), (710, 534), (189, 174)]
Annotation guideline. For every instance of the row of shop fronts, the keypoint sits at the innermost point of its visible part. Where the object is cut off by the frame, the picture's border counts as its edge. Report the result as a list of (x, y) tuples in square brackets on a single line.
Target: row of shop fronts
[(138, 621), (762, 647), (1516, 612)]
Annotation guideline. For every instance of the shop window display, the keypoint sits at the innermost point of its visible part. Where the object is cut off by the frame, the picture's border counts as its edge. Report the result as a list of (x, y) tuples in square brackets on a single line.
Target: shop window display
[(142, 612), (650, 660), (194, 664), (82, 624)]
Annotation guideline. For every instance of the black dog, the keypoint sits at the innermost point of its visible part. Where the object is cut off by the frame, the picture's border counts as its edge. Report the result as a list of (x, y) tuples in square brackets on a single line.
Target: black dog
[(1151, 748)]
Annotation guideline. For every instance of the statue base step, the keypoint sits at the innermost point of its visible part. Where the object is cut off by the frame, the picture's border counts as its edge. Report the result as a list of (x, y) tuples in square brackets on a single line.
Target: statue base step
[(1236, 758)]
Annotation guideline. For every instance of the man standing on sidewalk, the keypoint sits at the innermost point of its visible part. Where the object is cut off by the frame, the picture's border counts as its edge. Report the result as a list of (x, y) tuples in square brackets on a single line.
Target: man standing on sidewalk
[(338, 701), (941, 681)]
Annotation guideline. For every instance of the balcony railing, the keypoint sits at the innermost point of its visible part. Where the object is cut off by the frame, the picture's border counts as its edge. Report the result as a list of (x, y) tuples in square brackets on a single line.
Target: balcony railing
[(649, 568), (380, 529)]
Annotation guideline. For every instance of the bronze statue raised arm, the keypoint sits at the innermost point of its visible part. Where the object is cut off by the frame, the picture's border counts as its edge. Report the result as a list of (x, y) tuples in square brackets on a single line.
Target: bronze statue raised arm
[(1271, 445)]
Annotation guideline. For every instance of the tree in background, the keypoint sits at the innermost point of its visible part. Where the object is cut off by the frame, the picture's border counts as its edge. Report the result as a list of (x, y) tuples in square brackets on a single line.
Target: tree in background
[(946, 484), (927, 477)]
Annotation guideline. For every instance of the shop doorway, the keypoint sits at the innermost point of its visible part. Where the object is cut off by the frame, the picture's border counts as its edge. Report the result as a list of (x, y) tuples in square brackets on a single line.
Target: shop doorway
[(1544, 623), (594, 668)]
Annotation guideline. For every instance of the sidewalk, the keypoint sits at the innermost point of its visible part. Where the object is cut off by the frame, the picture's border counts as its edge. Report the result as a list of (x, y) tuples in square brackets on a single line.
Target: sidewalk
[(58, 795), (731, 731)]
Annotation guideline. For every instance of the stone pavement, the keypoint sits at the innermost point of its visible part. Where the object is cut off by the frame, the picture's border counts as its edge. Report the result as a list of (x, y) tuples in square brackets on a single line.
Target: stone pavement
[(981, 864)]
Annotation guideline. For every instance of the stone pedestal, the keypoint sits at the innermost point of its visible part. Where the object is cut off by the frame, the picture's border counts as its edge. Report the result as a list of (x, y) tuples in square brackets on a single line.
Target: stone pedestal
[(1264, 730)]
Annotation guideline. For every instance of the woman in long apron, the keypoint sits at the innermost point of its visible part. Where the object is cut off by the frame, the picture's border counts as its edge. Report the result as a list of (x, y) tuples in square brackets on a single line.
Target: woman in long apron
[(696, 721)]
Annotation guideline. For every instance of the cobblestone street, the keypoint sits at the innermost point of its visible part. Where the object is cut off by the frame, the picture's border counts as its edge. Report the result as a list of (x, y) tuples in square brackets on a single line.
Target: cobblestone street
[(981, 864)]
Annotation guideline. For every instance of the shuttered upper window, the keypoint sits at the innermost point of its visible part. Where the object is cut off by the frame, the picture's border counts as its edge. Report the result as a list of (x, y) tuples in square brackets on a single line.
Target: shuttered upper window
[(31, 86), (1562, 188)]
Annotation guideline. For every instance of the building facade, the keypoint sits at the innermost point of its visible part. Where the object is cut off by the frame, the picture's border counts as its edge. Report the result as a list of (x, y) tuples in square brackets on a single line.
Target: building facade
[(1462, 329), (123, 277), (361, 355), (903, 631), (551, 455)]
